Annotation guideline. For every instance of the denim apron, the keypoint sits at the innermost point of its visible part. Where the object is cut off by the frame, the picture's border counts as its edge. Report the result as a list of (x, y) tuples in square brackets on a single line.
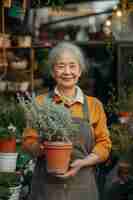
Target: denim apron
[(80, 187)]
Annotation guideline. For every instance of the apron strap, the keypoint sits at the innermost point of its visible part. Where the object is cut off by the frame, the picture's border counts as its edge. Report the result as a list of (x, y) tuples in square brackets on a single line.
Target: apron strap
[(86, 117), (86, 112)]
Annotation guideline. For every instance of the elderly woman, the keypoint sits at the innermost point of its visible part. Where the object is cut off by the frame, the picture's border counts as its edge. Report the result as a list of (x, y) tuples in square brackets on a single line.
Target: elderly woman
[(67, 64)]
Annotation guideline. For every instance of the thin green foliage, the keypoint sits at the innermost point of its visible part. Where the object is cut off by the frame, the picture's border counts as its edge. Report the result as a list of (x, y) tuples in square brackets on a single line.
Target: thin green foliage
[(12, 119), (52, 121)]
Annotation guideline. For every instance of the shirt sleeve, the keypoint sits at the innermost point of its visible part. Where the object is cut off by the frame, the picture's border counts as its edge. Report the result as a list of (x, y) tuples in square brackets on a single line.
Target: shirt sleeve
[(102, 138)]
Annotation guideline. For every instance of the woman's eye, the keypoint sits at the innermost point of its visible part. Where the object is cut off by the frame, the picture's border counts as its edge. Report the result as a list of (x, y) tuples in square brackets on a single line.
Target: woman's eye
[(72, 66), (60, 66)]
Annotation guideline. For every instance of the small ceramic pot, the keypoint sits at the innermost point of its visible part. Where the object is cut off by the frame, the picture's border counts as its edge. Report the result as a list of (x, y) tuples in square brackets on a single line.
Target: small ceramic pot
[(5, 40), (19, 64), (24, 41), (3, 85), (23, 87)]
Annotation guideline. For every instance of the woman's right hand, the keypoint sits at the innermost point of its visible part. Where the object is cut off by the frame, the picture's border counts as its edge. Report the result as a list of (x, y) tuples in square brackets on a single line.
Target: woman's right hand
[(36, 149)]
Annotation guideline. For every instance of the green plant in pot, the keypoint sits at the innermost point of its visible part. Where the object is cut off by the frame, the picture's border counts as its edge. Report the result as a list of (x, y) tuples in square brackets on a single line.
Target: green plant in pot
[(8, 154), (8, 139), (126, 100), (10, 185), (12, 122), (56, 129), (120, 106)]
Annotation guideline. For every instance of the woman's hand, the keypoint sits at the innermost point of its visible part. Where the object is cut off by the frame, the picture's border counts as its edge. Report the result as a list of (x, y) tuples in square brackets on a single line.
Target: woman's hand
[(90, 160), (34, 149), (75, 167), (37, 149)]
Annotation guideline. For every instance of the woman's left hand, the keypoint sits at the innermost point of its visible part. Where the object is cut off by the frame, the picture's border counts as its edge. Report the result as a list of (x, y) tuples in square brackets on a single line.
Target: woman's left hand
[(75, 167)]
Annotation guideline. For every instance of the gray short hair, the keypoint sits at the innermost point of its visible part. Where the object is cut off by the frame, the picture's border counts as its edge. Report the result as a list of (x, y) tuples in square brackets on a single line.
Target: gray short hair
[(66, 46)]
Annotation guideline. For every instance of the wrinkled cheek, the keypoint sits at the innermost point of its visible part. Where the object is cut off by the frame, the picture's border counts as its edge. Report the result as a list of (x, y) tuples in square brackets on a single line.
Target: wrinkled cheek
[(55, 74), (56, 77)]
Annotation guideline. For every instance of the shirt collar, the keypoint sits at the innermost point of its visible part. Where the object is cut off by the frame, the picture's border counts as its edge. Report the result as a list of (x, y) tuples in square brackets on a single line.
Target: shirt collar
[(79, 97)]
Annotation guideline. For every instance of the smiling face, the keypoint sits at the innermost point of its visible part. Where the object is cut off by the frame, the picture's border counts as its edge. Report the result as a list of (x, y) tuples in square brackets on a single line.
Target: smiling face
[(66, 71)]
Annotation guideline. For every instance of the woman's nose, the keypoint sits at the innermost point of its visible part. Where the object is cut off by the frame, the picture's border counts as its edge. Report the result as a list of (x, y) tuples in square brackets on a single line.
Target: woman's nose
[(67, 69)]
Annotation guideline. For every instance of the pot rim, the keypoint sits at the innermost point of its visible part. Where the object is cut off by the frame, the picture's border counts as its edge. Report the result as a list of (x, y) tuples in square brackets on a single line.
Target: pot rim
[(60, 145)]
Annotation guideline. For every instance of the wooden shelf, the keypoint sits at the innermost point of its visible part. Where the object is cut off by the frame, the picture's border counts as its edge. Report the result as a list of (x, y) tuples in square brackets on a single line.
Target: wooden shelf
[(15, 47)]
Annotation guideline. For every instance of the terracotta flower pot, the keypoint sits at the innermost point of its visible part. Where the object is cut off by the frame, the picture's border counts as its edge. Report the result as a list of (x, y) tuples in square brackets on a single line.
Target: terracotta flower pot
[(58, 156), (123, 117), (8, 145), (123, 114)]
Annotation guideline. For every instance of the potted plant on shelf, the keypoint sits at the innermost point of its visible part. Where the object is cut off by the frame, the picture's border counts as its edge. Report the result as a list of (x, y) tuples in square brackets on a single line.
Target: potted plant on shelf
[(11, 122), (56, 131), (120, 107), (121, 138), (8, 139), (10, 185), (8, 154)]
